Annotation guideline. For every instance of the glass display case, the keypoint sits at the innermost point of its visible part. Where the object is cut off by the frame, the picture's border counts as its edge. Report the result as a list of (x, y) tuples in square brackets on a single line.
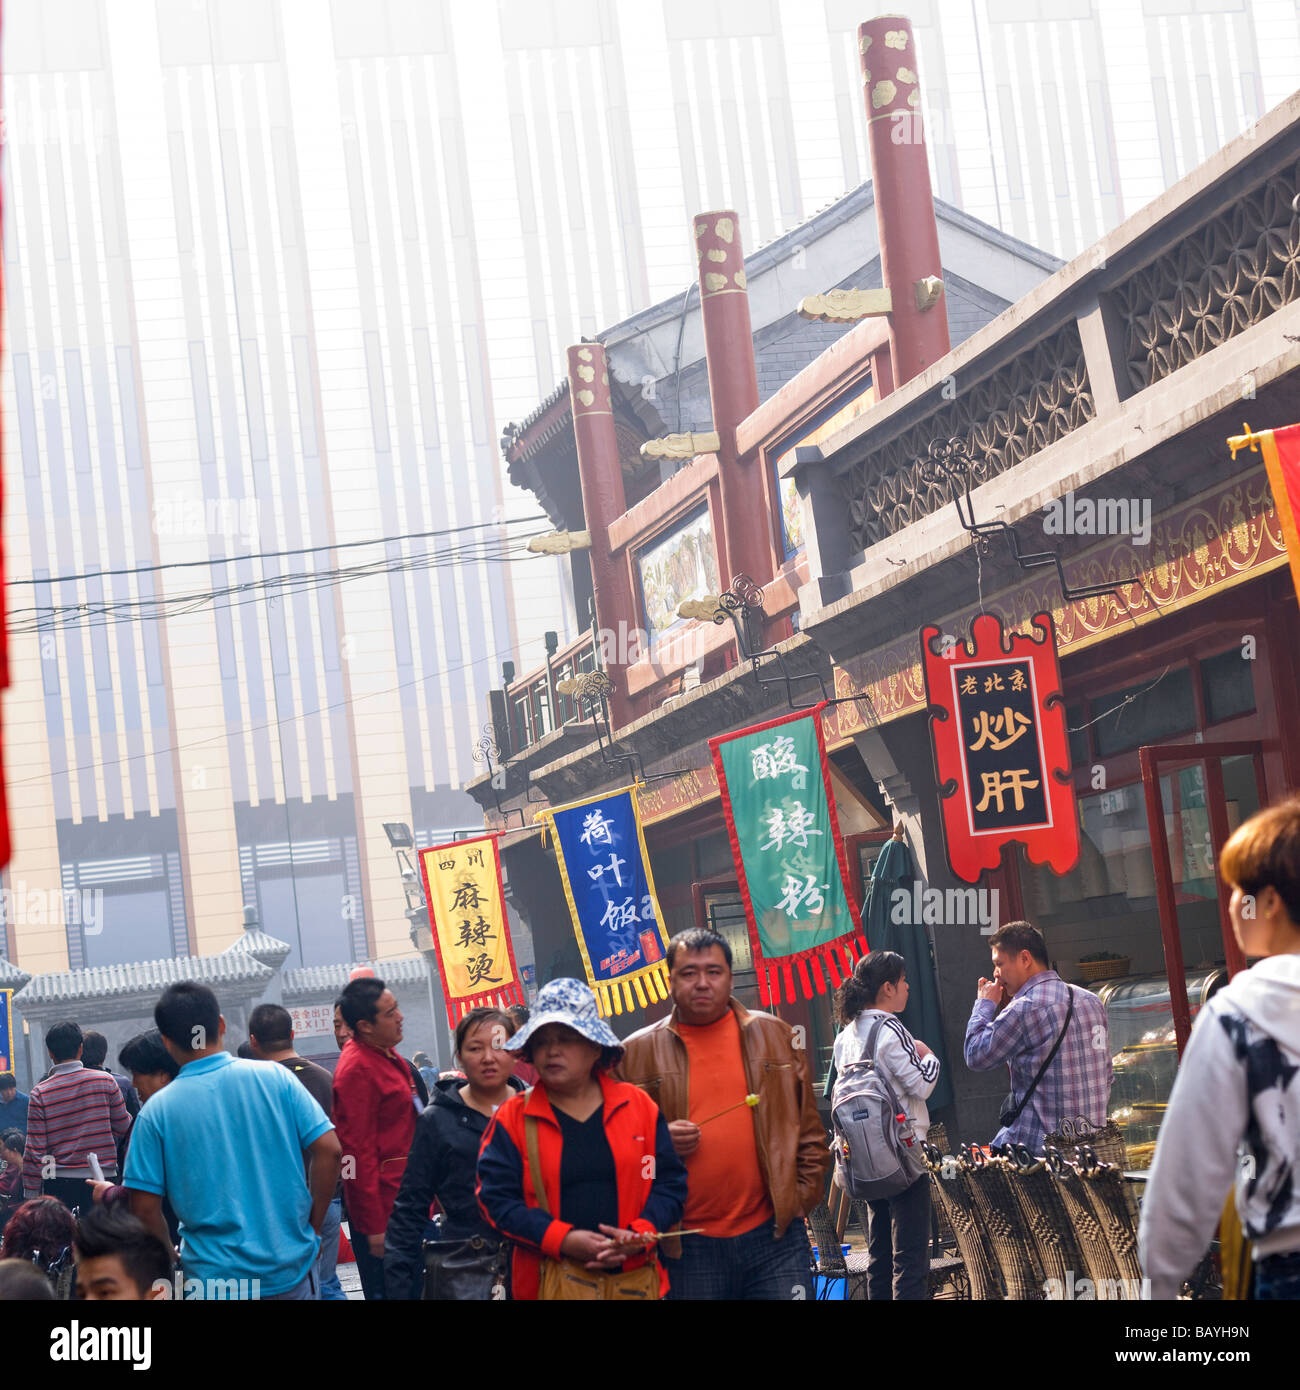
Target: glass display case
[(1144, 1051)]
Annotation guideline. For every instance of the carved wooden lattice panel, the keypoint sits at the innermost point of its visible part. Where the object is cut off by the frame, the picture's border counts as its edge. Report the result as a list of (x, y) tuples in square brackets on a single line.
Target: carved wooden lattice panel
[(1030, 403), (1228, 274)]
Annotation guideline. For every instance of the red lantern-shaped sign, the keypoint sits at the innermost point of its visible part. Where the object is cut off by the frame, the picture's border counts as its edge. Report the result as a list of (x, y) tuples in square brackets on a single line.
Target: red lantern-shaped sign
[(1001, 750)]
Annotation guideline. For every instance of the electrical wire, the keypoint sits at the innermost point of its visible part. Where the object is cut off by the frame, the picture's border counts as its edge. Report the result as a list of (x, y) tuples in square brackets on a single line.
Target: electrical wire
[(107, 612), (279, 554)]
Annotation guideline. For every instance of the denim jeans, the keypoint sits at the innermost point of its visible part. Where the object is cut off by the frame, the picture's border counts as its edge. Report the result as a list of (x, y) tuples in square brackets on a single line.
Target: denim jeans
[(331, 1291), (898, 1246), (307, 1289), (1278, 1276), (752, 1266)]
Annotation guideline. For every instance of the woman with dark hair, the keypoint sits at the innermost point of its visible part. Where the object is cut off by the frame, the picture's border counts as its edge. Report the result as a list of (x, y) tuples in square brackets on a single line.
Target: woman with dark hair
[(579, 1172), (1234, 1112), (12, 1144), (463, 1262), (151, 1067), (524, 1071), (41, 1231), (866, 1006)]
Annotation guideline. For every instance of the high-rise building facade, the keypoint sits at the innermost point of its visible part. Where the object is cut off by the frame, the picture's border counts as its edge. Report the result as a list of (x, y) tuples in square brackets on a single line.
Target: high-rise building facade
[(278, 271)]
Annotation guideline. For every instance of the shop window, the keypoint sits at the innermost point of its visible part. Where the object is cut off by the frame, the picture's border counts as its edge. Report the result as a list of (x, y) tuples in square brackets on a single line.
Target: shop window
[(1152, 712), (725, 914), (1114, 862), (1228, 681)]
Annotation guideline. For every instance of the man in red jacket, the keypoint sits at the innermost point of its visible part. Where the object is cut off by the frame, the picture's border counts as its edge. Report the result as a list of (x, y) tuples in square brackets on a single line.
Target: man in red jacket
[(375, 1105)]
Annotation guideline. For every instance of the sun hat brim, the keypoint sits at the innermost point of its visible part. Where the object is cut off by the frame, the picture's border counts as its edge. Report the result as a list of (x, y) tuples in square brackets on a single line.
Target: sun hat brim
[(594, 1030)]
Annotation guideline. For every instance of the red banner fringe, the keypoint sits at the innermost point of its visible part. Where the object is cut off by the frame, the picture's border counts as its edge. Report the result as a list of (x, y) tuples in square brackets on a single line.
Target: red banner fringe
[(496, 998), (777, 978)]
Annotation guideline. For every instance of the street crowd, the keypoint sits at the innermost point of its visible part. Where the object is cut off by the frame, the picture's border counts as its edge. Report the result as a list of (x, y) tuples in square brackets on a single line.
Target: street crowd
[(559, 1162)]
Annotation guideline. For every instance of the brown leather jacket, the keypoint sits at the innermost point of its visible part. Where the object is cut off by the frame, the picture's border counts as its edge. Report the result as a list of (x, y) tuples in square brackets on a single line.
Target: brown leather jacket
[(792, 1146)]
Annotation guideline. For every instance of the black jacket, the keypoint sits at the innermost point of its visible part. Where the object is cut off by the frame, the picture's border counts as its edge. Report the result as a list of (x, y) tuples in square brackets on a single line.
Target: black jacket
[(442, 1164)]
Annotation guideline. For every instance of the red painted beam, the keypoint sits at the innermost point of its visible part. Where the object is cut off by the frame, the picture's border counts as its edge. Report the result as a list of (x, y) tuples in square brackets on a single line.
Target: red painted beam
[(733, 390), (603, 502), (900, 174)]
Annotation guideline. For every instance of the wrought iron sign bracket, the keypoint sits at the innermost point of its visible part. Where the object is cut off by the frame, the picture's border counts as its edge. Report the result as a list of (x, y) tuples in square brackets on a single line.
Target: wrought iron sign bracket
[(484, 751), (741, 603), (595, 692), (950, 460)]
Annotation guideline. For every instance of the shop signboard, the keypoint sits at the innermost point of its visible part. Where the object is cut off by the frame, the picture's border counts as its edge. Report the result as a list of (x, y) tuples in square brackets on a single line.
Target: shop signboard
[(6, 1030), (1001, 750), (601, 854), (789, 855), (471, 934)]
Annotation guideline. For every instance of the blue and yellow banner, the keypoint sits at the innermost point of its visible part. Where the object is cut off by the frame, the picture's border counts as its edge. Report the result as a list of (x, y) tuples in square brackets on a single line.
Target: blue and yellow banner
[(471, 934), (6, 1030), (611, 895)]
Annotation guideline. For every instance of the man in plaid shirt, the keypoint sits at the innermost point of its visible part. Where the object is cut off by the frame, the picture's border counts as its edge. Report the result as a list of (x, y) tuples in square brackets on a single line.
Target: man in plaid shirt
[(1017, 1018)]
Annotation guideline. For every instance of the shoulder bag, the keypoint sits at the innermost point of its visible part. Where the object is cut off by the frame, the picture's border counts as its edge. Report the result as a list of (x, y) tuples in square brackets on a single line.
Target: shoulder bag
[(463, 1270), (571, 1279)]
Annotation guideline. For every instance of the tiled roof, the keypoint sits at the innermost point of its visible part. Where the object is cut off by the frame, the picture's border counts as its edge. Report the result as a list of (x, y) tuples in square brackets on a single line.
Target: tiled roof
[(11, 977), (260, 945), (310, 979), (119, 981)]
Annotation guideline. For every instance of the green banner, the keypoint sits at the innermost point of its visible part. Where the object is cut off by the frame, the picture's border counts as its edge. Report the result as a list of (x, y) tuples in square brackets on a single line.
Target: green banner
[(785, 840)]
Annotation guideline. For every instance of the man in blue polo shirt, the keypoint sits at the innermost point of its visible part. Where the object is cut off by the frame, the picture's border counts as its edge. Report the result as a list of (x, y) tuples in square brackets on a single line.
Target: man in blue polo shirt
[(225, 1142)]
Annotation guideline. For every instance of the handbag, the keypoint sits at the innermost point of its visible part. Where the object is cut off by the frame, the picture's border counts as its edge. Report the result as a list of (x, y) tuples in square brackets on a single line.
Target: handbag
[(465, 1270), (1010, 1111), (570, 1280)]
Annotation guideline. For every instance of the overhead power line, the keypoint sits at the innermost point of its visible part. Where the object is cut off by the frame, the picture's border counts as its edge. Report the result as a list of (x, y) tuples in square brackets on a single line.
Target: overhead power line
[(104, 612), (276, 554)]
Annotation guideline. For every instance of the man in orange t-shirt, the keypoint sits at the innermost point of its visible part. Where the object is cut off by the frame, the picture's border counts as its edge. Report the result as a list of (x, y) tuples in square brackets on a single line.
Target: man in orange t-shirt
[(754, 1170)]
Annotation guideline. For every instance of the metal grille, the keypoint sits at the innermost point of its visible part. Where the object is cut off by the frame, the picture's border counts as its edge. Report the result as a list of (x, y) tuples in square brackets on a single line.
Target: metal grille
[(1030, 403), (1227, 275)]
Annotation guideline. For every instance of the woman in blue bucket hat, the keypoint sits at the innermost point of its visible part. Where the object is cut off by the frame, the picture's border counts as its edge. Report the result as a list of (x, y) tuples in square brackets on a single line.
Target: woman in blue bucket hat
[(579, 1172)]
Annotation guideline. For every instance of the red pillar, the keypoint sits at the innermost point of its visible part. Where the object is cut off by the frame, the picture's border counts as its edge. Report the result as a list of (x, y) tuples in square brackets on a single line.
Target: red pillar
[(733, 390), (900, 175), (603, 499)]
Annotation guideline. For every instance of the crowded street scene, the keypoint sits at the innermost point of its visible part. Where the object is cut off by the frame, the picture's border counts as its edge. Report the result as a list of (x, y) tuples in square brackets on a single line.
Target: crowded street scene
[(650, 653)]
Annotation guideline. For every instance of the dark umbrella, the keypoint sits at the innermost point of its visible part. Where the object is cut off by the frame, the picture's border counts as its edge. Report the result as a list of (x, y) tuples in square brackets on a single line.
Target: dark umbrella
[(892, 873)]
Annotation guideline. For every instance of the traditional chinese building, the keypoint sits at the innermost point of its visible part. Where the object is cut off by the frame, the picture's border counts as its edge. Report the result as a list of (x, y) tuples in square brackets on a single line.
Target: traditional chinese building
[(1093, 413)]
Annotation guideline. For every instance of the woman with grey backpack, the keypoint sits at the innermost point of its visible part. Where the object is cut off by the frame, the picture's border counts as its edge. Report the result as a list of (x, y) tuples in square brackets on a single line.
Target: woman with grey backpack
[(866, 1006)]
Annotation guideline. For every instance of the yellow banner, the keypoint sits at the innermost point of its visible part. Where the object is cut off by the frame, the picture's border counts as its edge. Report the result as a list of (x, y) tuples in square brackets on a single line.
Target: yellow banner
[(471, 934)]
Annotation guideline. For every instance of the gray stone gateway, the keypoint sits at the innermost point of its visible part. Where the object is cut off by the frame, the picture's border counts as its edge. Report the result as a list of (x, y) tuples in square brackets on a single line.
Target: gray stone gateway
[(118, 1000)]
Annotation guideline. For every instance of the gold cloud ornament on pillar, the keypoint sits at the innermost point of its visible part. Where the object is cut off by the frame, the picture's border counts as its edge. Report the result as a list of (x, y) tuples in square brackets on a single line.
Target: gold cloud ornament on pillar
[(845, 306), (682, 446)]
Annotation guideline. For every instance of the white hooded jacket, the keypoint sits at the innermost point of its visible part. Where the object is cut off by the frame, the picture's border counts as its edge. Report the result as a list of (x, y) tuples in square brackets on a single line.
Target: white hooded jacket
[(912, 1076), (1234, 1111)]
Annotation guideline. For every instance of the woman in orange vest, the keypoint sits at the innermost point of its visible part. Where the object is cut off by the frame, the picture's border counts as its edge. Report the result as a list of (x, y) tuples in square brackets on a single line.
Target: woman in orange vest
[(580, 1169)]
